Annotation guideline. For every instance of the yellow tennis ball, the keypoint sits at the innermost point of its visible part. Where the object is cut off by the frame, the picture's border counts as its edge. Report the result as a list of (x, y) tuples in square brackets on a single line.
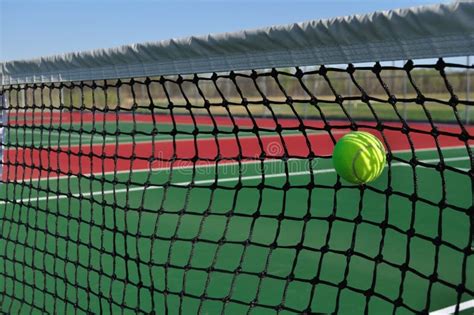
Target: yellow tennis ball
[(359, 157)]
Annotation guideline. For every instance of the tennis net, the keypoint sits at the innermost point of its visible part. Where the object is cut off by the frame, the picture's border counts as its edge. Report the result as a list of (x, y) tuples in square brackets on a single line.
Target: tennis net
[(209, 188)]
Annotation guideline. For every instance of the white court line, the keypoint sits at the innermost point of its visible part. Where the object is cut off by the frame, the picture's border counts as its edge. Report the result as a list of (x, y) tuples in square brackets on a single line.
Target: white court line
[(451, 309), (207, 165), (206, 181)]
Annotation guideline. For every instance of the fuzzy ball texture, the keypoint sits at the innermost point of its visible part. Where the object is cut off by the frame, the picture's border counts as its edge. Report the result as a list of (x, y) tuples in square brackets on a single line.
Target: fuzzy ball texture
[(359, 157)]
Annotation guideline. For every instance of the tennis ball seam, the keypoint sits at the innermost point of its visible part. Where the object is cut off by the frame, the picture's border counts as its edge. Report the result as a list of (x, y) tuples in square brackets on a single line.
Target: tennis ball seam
[(354, 171), (354, 160)]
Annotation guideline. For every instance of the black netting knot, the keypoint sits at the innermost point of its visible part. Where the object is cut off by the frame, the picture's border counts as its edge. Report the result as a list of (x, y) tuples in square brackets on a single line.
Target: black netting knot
[(314, 281), (408, 66), (461, 288), (350, 68), (299, 73), (440, 64), (377, 68), (342, 284), (403, 267), (392, 100), (324, 249), (405, 129), (369, 292), (440, 166), (322, 70), (398, 302), (420, 99), (453, 101), (437, 241), (254, 75), (442, 204), (365, 98), (464, 136), (378, 259)]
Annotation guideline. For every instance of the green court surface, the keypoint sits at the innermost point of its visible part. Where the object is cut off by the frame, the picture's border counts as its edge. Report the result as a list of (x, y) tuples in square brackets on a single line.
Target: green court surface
[(86, 133), (75, 133), (240, 241)]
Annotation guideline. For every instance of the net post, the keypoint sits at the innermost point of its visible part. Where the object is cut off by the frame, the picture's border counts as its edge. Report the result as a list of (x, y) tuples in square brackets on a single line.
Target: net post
[(468, 90), (61, 95), (22, 98), (3, 119), (404, 96), (349, 87)]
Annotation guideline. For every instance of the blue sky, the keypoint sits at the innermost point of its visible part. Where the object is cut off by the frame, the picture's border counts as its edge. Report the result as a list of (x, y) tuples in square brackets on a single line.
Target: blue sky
[(32, 28)]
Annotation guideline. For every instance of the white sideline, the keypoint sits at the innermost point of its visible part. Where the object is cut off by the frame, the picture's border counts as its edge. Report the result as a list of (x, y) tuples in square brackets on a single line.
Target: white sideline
[(213, 165), (207, 181), (444, 311), (451, 309)]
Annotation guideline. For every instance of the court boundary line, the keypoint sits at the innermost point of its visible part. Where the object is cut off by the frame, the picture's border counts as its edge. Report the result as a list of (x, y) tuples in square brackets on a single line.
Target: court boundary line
[(204, 181), (154, 169), (451, 309), (445, 311)]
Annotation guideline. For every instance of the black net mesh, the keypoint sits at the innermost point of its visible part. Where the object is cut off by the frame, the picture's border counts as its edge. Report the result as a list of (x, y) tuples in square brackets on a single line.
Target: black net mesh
[(216, 193)]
